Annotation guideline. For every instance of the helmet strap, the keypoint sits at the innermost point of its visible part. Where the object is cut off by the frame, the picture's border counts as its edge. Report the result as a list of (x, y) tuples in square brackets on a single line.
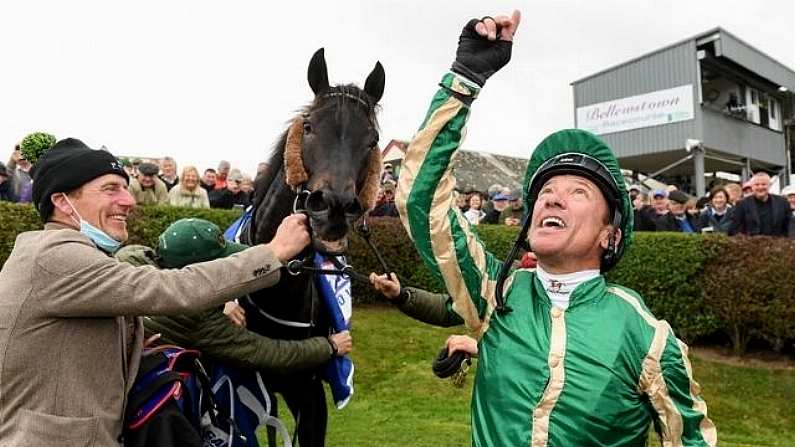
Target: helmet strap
[(505, 270), (609, 257)]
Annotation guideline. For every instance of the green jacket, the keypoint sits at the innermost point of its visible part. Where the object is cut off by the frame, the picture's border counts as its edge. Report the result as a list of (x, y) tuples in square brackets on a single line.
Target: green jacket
[(219, 339), (598, 373), (428, 307)]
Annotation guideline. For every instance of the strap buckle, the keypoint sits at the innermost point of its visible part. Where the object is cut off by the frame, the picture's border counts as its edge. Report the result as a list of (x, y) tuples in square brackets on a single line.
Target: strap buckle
[(294, 267), (303, 192)]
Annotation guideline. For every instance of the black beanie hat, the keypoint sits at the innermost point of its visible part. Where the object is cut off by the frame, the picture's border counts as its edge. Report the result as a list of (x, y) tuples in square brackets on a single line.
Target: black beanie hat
[(68, 165)]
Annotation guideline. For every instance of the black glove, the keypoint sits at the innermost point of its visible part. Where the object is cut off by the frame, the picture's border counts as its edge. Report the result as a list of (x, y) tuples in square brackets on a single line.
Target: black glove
[(477, 57)]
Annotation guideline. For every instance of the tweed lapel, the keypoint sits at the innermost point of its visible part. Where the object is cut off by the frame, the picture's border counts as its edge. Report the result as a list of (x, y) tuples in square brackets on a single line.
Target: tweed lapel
[(134, 361)]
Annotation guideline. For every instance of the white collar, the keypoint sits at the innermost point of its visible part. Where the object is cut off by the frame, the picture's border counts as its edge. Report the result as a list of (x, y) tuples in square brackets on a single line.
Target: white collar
[(560, 286)]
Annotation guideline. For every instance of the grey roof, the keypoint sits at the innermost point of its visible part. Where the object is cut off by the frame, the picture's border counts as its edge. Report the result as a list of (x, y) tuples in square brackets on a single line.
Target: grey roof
[(479, 170), (757, 61), (749, 57)]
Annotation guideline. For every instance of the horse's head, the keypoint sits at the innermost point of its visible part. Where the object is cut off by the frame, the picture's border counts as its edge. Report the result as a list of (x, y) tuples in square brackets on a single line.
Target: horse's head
[(331, 154)]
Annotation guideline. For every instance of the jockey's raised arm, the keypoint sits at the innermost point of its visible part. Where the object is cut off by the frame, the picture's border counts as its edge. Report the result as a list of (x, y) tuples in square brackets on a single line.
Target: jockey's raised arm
[(426, 190)]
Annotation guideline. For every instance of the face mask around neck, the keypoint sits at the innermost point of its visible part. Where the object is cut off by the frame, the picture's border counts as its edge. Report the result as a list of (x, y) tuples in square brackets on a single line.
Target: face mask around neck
[(100, 238)]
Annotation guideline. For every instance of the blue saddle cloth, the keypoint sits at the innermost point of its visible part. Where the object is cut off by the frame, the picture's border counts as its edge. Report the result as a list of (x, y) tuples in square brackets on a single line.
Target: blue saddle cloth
[(233, 232)]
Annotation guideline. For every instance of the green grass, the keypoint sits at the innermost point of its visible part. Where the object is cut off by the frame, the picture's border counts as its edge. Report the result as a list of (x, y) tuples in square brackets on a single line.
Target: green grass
[(750, 406), (399, 402)]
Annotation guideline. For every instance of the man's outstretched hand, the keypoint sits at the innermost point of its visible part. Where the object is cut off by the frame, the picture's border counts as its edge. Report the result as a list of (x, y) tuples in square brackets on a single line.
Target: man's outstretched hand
[(388, 285), (291, 237), (485, 46)]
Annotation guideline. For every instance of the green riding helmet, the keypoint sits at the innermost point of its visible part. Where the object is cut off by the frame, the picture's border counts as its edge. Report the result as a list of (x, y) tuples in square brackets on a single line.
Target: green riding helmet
[(581, 153)]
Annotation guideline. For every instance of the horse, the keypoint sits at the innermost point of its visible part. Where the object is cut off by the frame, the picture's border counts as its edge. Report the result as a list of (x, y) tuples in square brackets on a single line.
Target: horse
[(327, 165)]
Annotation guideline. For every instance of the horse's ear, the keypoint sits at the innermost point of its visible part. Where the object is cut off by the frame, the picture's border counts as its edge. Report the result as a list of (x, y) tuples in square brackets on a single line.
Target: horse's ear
[(374, 85), (318, 73)]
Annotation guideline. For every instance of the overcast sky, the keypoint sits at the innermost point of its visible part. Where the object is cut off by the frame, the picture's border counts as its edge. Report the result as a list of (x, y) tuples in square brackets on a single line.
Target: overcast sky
[(202, 81)]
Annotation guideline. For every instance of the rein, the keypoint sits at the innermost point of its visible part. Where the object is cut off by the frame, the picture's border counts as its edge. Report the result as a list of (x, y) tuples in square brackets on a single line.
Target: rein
[(297, 266)]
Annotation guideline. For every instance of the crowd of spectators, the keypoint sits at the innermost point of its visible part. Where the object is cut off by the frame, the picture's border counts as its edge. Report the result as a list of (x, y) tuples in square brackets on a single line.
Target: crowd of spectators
[(728, 208), (152, 182), (158, 184), (499, 205), (750, 209)]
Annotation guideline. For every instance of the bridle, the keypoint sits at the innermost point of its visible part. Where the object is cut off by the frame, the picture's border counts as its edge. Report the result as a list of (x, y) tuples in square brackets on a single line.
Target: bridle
[(297, 178), (306, 264), (295, 172), (299, 205)]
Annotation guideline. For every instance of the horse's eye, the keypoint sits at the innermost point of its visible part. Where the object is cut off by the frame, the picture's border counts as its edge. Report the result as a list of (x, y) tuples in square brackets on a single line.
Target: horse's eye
[(307, 126)]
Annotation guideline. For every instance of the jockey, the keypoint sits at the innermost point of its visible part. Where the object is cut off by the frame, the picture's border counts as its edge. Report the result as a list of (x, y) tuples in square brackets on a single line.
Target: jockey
[(565, 358)]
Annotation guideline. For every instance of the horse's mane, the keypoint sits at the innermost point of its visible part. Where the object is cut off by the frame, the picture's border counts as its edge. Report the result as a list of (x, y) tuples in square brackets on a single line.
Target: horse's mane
[(263, 183), (337, 96)]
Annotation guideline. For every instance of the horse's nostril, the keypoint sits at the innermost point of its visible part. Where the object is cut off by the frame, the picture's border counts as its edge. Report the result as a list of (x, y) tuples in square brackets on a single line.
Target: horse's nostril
[(354, 208), (316, 203)]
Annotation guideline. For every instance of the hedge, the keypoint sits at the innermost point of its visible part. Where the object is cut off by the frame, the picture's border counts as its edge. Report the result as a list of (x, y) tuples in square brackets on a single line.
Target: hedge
[(750, 287), (147, 222), (702, 285), (667, 269), (144, 226), (15, 219)]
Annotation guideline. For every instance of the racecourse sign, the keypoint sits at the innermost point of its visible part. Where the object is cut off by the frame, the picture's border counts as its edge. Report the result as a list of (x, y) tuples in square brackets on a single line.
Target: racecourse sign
[(634, 112)]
